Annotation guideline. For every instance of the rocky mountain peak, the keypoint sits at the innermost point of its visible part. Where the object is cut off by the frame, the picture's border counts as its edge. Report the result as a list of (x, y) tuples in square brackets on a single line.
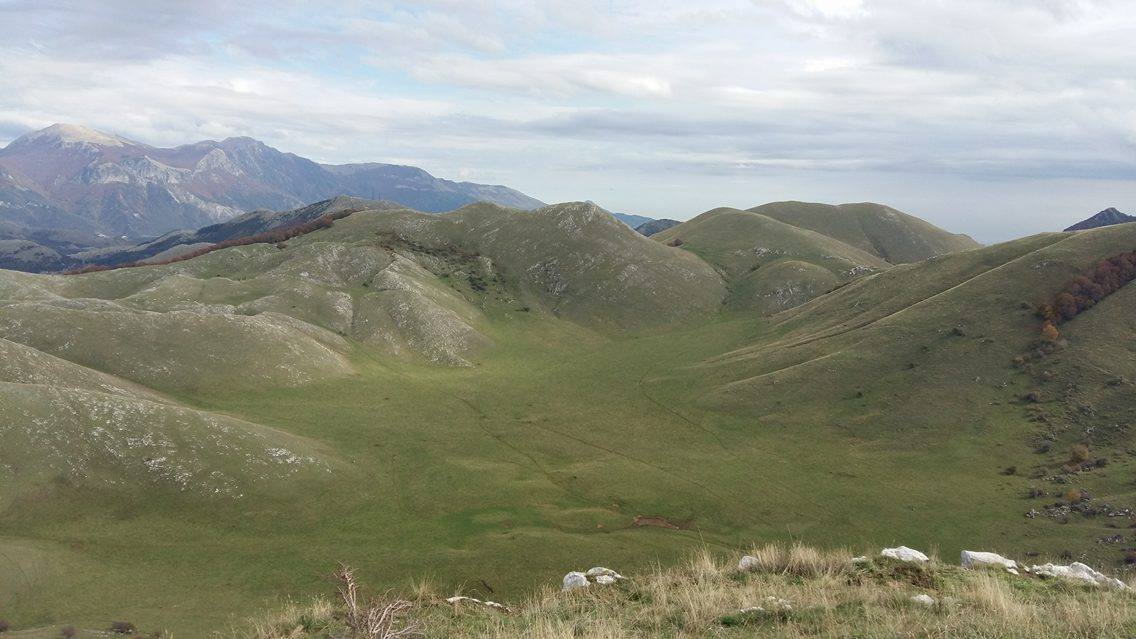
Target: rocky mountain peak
[(70, 135)]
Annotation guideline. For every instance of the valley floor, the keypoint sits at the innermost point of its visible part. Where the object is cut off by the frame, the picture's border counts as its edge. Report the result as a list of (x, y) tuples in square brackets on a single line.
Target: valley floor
[(562, 449)]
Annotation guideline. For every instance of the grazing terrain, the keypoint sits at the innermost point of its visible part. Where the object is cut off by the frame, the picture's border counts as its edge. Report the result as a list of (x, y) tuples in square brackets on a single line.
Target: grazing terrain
[(492, 397), (770, 265), (880, 230)]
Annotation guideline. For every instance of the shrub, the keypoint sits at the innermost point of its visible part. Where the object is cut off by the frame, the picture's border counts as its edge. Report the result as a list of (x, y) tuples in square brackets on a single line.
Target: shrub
[(4, 626), (675, 242), (1079, 453), (122, 627), (1087, 289), (68, 631), (1074, 496), (372, 617), (1049, 332)]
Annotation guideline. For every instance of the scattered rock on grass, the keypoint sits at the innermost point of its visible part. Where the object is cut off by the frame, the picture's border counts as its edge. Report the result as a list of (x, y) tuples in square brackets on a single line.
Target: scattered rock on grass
[(598, 575), (1078, 571), (772, 604), (975, 558), (477, 602), (574, 580), (600, 571), (903, 553), (924, 600)]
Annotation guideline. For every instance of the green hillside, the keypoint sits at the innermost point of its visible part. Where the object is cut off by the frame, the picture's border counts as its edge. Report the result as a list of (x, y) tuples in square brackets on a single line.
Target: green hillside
[(880, 230), (770, 265), (492, 398)]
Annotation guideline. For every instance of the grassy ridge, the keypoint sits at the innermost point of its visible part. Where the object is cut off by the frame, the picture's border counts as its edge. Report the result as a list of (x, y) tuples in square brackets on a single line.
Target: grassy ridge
[(881, 230), (859, 419)]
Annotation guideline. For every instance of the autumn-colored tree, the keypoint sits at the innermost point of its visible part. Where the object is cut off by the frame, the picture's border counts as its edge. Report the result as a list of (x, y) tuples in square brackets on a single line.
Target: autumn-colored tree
[(1086, 290), (1049, 332)]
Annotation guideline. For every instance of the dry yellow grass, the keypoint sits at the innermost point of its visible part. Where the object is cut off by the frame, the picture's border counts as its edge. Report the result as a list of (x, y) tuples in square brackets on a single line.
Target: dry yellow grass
[(830, 597)]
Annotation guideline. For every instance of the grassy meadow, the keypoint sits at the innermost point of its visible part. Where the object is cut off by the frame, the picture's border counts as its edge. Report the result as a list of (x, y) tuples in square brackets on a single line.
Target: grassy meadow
[(883, 413)]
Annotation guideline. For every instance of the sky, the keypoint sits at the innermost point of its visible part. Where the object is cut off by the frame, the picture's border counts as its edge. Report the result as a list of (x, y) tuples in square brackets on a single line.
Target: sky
[(996, 118)]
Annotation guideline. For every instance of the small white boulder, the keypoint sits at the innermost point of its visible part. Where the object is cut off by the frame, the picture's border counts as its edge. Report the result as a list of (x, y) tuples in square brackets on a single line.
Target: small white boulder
[(600, 571), (749, 563), (1078, 571), (605, 580), (860, 561), (974, 558), (924, 600), (777, 603), (903, 553), (574, 580), (470, 600)]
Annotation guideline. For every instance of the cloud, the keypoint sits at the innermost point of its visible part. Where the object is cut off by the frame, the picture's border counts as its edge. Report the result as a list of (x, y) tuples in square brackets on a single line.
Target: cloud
[(652, 105)]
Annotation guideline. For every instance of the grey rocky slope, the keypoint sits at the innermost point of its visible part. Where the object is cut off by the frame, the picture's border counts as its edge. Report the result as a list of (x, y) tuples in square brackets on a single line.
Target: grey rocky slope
[(1107, 217), (652, 227), (68, 177)]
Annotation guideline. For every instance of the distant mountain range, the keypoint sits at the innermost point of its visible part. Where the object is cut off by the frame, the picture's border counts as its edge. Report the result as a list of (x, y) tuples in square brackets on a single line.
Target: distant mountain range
[(71, 179), (650, 227), (630, 219), (1107, 217), (177, 243)]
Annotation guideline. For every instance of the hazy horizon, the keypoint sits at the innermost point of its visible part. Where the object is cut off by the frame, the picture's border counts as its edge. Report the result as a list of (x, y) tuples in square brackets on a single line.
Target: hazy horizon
[(1018, 118)]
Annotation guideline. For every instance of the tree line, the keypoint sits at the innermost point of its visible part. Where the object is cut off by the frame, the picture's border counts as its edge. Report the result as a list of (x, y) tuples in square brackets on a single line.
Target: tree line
[(1085, 291)]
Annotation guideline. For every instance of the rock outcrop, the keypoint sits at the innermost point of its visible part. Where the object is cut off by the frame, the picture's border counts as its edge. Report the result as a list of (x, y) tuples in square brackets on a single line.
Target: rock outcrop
[(974, 558), (1078, 571), (598, 575), (903, 553)]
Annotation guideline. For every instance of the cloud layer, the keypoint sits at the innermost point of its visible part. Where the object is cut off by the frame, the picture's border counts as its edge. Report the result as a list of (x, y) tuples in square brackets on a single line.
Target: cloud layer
[(994, 117)]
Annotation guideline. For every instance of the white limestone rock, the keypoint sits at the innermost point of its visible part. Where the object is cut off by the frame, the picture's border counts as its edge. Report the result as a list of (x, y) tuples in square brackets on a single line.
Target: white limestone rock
[(574, 580), (477, 602), (1078, 571), (924, 600), (903, 553), (777, 603), (974, 558), (600, 571)]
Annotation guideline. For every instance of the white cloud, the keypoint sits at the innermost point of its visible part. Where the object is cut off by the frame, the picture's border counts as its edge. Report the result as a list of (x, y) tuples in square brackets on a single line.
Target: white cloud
[(660, 105)]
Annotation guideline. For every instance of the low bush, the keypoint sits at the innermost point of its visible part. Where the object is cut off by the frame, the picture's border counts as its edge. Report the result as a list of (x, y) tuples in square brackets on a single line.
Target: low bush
[(1086, 290)]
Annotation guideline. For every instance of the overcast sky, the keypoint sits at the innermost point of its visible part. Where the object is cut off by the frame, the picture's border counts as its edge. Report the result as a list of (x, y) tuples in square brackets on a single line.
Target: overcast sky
[(996, 118)]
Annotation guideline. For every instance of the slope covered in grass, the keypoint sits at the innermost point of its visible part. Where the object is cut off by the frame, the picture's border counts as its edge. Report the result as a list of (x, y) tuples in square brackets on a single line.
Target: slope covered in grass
[(493, 397), (770, 265), (881, 230), (573, 259)]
